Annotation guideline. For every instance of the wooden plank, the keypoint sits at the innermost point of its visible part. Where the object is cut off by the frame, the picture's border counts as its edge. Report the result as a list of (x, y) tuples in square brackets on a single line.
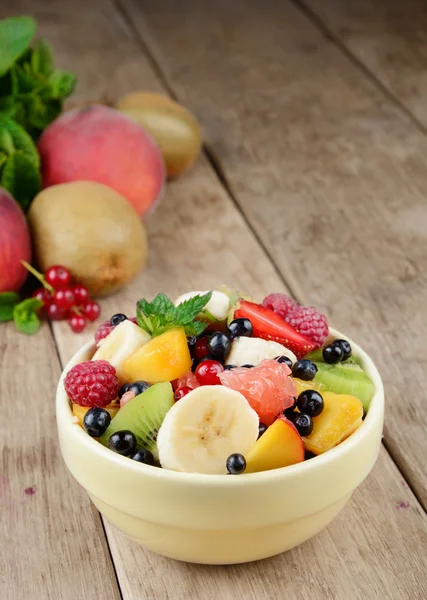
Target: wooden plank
[(197, 240), (52, 542), (389, 39), (328, 172)]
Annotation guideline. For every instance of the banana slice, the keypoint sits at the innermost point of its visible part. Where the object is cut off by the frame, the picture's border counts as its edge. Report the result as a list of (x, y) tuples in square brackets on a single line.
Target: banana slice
[(121, 343), (252, 351), (202, 429), (215, 310)]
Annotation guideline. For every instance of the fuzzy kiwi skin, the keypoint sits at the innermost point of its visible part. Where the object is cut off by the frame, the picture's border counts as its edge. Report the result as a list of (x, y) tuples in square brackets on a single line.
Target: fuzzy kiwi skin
[(90, 229)]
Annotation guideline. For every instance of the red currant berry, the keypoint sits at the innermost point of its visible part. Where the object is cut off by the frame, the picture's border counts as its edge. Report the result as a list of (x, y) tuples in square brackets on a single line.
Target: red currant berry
[(55, 313), (81, 294), (92, 310), (64, 299), (77, 323), (44, 295), (181, 392), (207, 372), (58, 277), (200, 348)]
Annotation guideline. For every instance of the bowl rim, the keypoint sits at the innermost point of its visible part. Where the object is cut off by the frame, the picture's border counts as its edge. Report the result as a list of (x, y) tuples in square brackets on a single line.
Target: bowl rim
[(374, 417)]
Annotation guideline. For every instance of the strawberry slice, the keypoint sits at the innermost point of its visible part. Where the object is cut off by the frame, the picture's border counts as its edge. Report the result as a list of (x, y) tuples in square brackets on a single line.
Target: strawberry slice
[(271, 326)]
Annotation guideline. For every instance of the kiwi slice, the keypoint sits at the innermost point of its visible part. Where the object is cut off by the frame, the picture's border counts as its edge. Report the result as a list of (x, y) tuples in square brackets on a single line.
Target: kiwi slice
[(346, 378), (143, 415), (317, 356)]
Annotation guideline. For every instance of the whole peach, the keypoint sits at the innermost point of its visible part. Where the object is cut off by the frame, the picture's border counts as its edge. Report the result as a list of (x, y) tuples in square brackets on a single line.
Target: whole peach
[(15, 244), (101, 144)]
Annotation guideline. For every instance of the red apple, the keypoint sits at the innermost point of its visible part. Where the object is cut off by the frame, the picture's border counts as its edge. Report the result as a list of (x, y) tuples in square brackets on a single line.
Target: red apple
[(15, 244), (101, 144)]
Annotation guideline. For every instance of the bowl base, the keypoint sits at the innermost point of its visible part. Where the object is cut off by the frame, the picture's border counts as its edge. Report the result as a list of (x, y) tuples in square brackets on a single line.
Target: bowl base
[(220, 547)]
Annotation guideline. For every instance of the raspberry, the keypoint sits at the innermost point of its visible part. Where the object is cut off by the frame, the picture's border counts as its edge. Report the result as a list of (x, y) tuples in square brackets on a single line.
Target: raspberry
[(310, 322), (103, 330), (280, 303), (92, 383)]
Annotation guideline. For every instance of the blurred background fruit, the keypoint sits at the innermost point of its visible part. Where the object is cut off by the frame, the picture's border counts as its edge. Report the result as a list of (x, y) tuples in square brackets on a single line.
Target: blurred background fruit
[(173, 127), (15, 244), (102, 144), (90, 229)]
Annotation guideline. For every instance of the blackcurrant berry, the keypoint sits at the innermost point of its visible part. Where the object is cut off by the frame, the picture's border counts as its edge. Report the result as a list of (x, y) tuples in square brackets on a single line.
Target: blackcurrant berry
[(304, 369), (345, 347), (117, 319), (240, 328), (96, 421), (310, 402), (333, 353), (122, 442), (236, 464)]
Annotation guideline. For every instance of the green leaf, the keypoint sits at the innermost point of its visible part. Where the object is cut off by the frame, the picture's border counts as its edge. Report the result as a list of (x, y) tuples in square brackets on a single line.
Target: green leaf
[(42, 58), (3, 158), (187, 311), (196, 328), (161, 315), (20, 138), (21, 177), (16, 34), (8, 300), (5, 86), (6, 142), (62, 83), (27, 81), (25, 316)]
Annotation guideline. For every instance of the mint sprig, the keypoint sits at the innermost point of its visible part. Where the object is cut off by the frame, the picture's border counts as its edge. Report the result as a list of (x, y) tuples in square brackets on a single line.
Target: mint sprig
[(161, 315), (25, 316)]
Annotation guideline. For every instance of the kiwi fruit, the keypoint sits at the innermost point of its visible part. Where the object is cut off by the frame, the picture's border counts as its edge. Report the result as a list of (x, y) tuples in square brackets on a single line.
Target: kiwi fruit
[(90, 229), (317, 356), (346, 378), (143, 416)]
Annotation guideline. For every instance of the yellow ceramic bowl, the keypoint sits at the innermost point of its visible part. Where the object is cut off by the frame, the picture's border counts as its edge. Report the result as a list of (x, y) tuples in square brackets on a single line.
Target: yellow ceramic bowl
[(220, 519)]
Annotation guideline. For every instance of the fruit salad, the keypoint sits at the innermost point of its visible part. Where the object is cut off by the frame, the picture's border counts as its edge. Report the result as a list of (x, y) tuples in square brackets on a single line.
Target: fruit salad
[(215, 383)]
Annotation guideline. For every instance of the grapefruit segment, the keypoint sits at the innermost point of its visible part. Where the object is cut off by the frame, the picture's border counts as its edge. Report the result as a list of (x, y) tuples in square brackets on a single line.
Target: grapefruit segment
[(268, 387)]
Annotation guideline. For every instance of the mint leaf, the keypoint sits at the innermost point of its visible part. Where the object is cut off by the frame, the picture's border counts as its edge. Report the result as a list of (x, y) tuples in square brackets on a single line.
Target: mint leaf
[(8, 301), (27, 81), (25, 316), (21, 177), (161, 315), (161, 304), (62, 83), (187, 311), (195, 328), (20, 139), (42, 58), (3, 158), (15, 35)]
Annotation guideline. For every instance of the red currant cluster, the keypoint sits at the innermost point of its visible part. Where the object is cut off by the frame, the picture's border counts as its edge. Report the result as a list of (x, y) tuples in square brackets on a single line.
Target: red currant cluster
[(62, 299)]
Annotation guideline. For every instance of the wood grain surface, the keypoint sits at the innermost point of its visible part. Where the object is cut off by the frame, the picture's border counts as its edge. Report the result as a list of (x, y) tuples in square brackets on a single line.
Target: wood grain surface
[(198, 238), (329, 173), (52, 545), (389, 38)]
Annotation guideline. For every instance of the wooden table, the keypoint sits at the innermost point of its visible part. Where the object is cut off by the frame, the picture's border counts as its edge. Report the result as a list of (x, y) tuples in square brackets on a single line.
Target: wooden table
[(314, 180)]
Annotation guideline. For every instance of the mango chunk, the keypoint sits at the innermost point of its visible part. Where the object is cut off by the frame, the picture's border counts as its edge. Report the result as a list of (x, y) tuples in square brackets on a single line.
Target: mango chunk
[(164, 358), (341, 416)]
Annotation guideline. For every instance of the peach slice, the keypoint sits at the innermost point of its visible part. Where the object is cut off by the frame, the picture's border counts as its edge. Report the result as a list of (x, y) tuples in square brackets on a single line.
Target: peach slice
[(341, 415), (164, 358), (280, 446)]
